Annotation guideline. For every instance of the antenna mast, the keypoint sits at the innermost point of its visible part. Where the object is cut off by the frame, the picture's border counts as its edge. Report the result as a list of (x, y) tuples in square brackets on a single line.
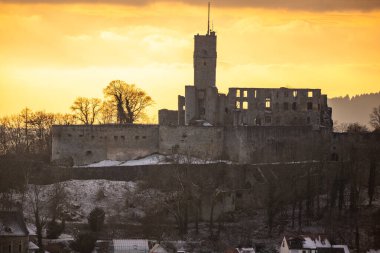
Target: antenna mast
[(208, 20)]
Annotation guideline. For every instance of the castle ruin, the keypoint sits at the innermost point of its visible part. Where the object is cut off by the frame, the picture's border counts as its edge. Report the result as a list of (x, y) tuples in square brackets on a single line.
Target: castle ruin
[(248, 125)]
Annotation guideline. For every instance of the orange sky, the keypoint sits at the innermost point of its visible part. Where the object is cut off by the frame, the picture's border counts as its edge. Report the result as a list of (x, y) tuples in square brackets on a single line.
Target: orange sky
[(52, 53)]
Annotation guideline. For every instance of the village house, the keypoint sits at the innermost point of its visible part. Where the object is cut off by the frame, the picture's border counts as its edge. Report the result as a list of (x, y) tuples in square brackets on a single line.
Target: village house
[(14, 235), (310, 244)]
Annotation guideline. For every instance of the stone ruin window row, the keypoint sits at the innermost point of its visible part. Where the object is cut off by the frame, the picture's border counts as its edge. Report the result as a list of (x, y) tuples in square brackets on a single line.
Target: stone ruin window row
[(243, 93), (115, 137), (286, 106)]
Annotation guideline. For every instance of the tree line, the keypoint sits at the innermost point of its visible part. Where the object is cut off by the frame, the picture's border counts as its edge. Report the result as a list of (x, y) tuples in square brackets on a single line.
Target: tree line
[(29, 132)]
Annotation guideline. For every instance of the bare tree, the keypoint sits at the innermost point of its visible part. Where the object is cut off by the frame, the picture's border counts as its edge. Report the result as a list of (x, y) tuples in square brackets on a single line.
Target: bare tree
[(375, 118), (130, 101), (107, 113), (86, 109), (37, 205)]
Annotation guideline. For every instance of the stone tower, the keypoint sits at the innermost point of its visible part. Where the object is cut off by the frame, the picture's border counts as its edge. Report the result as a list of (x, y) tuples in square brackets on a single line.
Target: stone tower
[(205, 58), (201, 104)]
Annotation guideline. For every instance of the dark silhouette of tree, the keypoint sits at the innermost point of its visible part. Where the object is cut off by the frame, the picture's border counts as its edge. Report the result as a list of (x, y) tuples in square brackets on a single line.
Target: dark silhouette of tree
[(84, 243), (371, 180), (130, 101), (35, 197), (86, 110), (374, 118), (357, 128), (96, 219)]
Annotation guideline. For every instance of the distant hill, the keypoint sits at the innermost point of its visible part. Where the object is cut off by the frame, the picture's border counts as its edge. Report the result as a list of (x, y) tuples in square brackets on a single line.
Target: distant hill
[(354, 109)]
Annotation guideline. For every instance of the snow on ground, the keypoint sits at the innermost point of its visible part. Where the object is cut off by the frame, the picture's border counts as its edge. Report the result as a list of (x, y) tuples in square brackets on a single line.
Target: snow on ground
[(85, 195), (156, 159)]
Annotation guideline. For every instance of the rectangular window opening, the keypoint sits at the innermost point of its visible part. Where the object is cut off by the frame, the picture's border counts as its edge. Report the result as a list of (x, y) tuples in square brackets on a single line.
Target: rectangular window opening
[(267, 103), (245, 93), (237, 93), (309, 94), (310, 106), (295, 93), (237, 105), (255, 93), (245, 105)]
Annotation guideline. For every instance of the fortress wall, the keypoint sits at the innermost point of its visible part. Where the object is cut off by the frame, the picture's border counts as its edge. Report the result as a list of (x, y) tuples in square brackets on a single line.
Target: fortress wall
[(255, 144), (89, 144), (202, 142)]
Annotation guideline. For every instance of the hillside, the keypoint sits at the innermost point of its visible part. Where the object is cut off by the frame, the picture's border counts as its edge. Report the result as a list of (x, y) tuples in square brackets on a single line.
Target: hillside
[(354, 109)]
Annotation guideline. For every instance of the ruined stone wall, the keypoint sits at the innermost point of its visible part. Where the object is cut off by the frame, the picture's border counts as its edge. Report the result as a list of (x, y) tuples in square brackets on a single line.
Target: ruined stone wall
[(202, 142), (168, 117), (278, 107), (255, 144), (89, 144), (248, 144)]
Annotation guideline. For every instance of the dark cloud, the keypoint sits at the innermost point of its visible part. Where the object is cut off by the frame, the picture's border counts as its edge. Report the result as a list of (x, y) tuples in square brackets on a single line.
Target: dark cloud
[(308, 5)]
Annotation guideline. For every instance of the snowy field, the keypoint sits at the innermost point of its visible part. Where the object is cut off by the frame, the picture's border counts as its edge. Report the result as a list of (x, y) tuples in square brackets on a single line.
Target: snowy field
[(84, 195)]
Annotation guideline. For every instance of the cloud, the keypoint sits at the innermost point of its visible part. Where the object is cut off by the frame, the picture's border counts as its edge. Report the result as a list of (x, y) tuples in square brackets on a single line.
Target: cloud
[(308, 5)]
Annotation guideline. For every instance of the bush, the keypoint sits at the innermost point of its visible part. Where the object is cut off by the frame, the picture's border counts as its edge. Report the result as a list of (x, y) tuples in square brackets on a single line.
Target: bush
[(84, 243), (96, 219), (54, 230)]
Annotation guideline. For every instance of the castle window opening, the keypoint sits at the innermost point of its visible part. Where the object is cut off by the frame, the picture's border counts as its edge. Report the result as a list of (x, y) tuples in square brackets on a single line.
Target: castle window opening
[(294, 106), (277, 107), (267, 103), (115, 138), (69, 135), (308, 120), (295, 94), (226, 110), (258, 121), (122, 137), (237, 93), (88, 152), (237, 105), (245, 105), (309, 94), (286, 106), (81, 135), (319, 107), (137, 137), (204, 63), (92, 137), (183, 107), (245, 93), (202, 111), (268, 119), (309, 105), (144, 137), (255, 93)]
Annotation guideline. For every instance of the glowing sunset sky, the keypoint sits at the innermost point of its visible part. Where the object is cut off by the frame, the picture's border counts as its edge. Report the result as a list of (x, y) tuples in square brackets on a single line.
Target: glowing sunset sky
[(53, 51)]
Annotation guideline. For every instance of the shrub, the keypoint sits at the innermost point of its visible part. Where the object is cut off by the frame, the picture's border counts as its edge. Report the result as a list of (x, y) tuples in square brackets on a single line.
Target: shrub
[(84, 243), (54, 230), (96, 219)]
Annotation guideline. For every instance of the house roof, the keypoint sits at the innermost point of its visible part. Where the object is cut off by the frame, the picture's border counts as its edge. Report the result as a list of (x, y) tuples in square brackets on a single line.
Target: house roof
[(157, 248), (32, 246), (136, 245), (12, 224), (308, 242)]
